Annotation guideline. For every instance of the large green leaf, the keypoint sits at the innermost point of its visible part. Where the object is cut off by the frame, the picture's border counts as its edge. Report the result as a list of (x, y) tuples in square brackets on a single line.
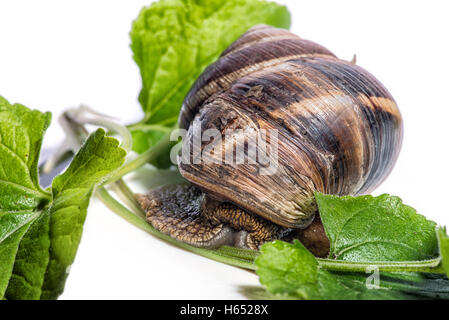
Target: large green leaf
[(382, 228), (99, 156), (12, 228), (361, 228), (40, 231), (291, 271), (21, 132)]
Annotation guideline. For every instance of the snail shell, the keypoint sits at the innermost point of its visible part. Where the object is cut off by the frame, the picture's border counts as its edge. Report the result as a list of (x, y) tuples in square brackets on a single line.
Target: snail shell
[(339, 129)]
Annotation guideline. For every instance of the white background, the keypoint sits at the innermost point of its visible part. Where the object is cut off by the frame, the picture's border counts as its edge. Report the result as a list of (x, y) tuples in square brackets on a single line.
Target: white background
[(58, 54)]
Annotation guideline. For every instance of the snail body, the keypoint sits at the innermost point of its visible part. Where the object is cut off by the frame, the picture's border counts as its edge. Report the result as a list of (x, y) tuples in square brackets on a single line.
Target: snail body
[(339, 131)]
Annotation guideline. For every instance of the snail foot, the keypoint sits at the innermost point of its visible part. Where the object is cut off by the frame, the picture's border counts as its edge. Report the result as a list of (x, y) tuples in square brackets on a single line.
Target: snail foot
[(175, 210), (184, 213)]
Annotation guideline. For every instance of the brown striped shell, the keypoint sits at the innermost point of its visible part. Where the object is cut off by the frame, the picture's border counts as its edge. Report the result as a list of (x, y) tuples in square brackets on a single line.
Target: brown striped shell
[(339, 129)]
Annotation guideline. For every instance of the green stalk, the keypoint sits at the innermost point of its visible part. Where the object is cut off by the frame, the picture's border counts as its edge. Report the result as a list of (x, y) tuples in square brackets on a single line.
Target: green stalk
[(217, 255), (149, 127), (240, 253), (148, 156), (426, 266), (127, 196)]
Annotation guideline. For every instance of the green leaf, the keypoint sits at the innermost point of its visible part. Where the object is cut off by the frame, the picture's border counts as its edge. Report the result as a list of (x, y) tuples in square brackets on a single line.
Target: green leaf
[(144, 140), (173, 41), (99, 156), (443, 241), (39, 230), (12, 228), (289, 270), (382, 228), (361, 228), (21, 132), (31, 261)]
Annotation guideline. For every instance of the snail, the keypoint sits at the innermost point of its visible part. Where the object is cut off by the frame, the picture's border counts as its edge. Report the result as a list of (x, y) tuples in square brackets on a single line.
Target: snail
[(339, 131)]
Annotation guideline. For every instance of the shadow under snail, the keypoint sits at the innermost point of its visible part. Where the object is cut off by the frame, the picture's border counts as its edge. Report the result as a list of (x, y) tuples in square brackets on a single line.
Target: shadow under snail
[(339, 132)]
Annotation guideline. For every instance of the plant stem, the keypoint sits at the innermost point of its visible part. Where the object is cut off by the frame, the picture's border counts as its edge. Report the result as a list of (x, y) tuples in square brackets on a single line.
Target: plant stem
[(150, 127), (127, 196), (217, 255), (149, 155), (427, 266), (246, 254)]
